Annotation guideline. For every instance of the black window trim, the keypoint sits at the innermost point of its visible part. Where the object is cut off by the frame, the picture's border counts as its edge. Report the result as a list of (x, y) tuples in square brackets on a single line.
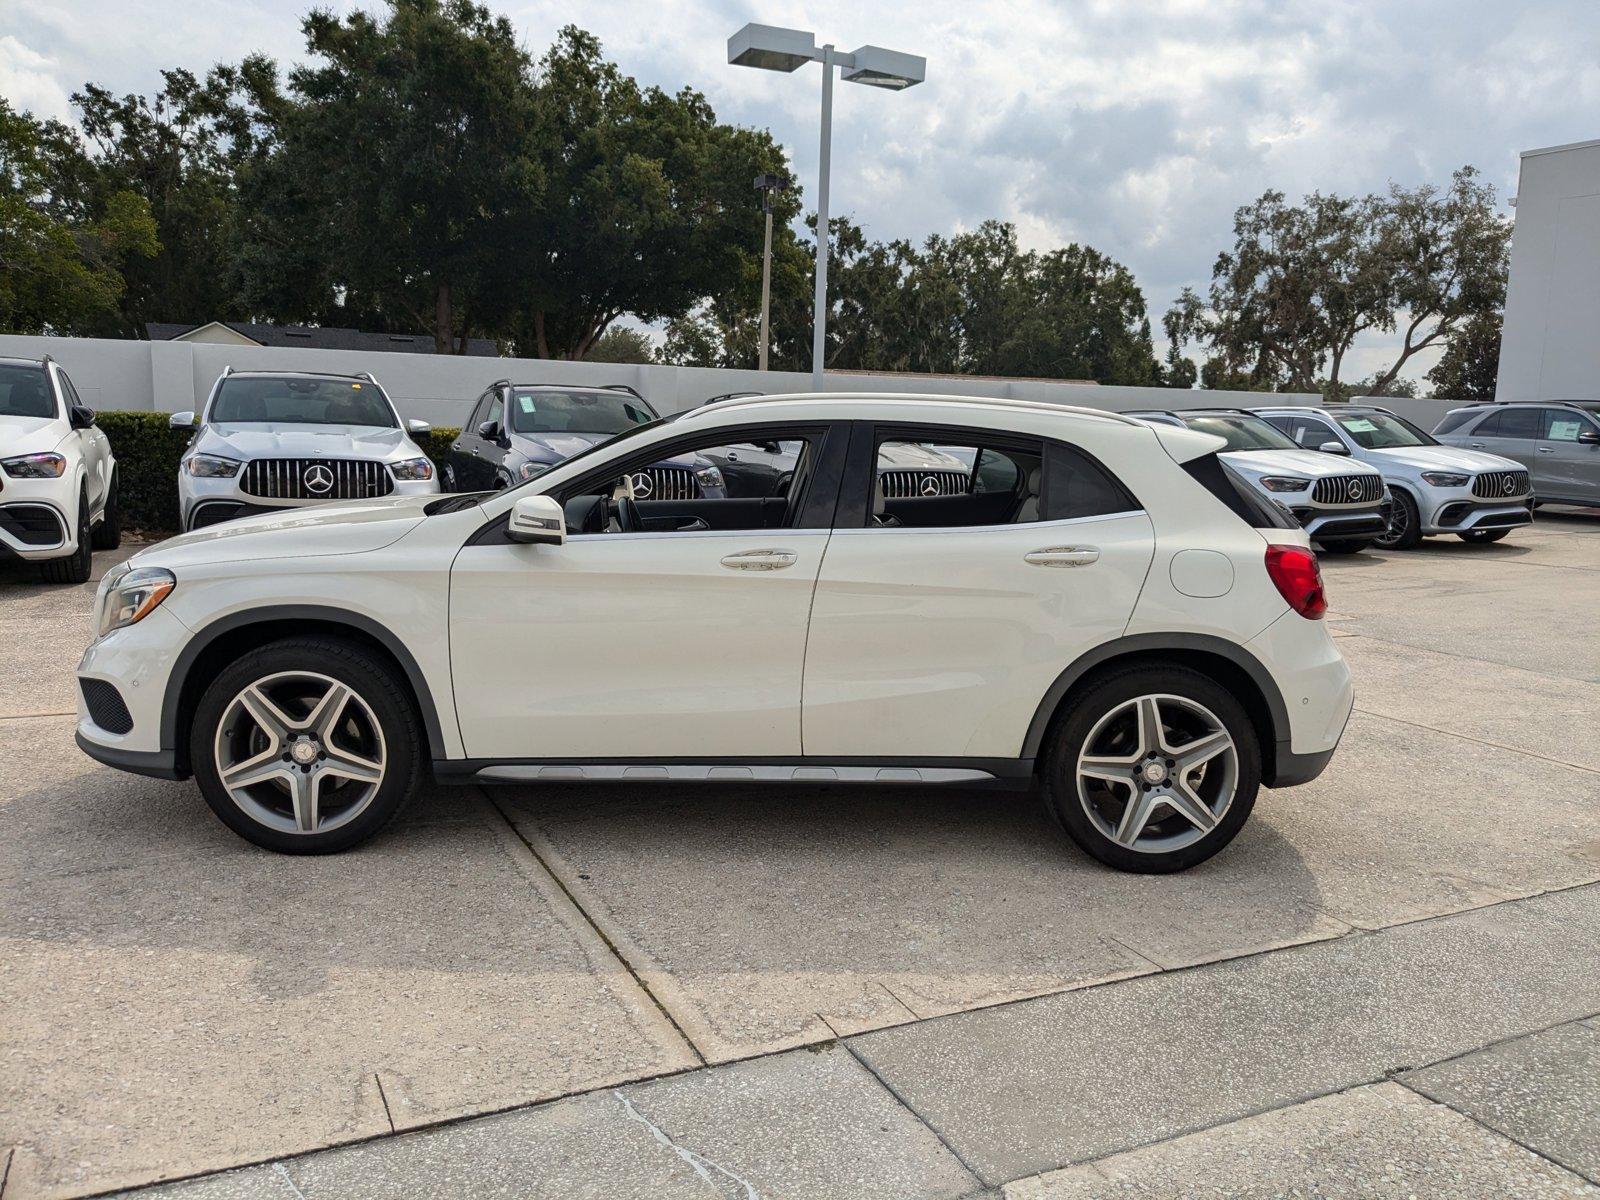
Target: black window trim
[(818, 510)]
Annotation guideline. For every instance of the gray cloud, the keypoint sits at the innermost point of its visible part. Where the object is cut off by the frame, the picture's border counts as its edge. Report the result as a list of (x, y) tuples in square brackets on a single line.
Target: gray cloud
[(1135, 125)]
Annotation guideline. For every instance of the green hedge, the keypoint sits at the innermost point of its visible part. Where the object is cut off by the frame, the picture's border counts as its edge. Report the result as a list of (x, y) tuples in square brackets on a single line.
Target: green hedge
[(148, 452)]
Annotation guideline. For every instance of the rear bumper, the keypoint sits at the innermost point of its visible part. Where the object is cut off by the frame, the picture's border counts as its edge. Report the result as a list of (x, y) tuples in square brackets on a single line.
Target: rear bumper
[(1291, 769)]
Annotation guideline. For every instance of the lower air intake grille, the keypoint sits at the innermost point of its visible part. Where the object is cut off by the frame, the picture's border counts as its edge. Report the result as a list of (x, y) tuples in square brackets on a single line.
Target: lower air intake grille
[(32, 524), (105, 705)]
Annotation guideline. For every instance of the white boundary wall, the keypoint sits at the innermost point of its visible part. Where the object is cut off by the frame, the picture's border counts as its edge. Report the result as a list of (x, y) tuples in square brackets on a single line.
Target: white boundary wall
[(174, 376)]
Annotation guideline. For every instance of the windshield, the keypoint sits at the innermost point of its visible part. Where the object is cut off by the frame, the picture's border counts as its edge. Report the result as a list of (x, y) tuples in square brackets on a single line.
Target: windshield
[(1380, 431), (1241, 432), (25, 392), (548, 410), (301, 400)]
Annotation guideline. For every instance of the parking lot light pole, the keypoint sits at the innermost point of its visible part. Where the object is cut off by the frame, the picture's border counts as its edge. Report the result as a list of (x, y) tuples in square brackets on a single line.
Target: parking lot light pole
[(775, 49), (767, 184)]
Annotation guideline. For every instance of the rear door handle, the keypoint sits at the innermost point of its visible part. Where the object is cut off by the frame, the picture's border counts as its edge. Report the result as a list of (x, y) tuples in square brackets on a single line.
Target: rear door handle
[(1062, 556), (1547, 450), (761, 560), (1475, 445)]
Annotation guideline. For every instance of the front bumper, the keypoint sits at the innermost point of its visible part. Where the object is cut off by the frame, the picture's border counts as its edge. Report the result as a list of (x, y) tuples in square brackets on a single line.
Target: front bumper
[(211, 501), (138, 661), (1348, 522), (1461, 515), (35, 518)]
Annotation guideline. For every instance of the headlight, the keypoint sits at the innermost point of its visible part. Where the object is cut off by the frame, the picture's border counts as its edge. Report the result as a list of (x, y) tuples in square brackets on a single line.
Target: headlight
[(210, 466), (529, 469), (709, 476), (1284, 483), (412, 468), (131, 595), (1445, 479), (35, 466)]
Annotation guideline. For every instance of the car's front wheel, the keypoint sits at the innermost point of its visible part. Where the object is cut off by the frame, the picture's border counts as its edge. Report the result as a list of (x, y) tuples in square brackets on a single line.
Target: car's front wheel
[(306, 746), (1154, 769), (77, 567), (1404, 530)]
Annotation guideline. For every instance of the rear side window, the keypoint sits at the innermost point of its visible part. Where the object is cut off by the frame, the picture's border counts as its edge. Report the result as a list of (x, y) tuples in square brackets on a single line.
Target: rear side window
[(1510, 423), (1254, 509)]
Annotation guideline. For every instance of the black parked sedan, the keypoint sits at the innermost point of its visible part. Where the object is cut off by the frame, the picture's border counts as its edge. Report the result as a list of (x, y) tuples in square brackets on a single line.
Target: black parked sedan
[(517, 431)]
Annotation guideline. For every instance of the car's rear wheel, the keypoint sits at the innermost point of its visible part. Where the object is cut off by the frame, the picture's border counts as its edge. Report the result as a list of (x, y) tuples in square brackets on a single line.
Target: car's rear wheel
[(1345, 545), (1154, 769), (108, 534), (77, 567), (1404, 530), (306, 746), (1476, 536)]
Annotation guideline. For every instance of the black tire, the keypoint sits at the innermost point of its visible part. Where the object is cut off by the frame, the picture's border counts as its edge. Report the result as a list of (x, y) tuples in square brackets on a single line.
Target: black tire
[(1103, 697), (447, 478), (80, 565), (372, 680), (1345, 545), (1479, 536), (1405, 525), (108, 534)]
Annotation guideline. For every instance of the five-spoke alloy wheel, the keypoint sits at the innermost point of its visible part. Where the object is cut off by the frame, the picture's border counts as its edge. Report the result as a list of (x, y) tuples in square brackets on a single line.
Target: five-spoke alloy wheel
[(1153, 769), (306, 746)]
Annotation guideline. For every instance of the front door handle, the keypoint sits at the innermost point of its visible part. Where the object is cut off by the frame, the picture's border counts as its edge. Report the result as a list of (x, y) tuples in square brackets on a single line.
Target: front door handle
[(761, 560), (1475, 445), (1547, 450), (1062, 556)]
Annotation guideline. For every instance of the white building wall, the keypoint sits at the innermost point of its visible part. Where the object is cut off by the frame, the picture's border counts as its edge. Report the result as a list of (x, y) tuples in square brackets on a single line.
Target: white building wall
[(174, 376), (1550, 349)]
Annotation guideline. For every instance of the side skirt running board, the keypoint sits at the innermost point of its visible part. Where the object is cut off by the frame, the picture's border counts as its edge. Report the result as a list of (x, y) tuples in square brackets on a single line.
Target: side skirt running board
[(976, 771)]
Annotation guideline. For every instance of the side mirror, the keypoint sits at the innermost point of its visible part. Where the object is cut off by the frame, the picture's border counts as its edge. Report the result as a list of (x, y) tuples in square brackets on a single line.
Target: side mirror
[(1589, 437), (1334, 447), (490, 431), (181, 420), (80, 417), (769, 447), (416, 426), (537, 520)]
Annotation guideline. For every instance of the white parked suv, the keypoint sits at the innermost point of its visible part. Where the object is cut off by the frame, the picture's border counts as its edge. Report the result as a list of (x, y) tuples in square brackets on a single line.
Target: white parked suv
[(1105, 609), (1433, 488), (1340, 503), (58, 477), (271, 440)]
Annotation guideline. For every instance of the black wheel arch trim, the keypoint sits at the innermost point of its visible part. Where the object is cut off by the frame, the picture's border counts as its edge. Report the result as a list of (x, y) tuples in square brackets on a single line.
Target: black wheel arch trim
[(208, 635), (1154, 643)]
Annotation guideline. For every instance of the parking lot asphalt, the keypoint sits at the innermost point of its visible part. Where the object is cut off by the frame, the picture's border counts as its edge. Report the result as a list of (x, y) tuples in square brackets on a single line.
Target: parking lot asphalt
[(1389, 981)]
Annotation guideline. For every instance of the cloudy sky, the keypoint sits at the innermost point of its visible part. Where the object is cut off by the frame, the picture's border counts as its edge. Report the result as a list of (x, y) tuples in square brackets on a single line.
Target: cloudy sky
[(1136, 126)]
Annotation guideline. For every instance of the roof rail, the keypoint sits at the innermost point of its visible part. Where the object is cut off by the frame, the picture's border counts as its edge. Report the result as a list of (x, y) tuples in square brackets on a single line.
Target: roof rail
[(46, 359), (1042, 406), (227, 369), (621, 387), (367, 375)]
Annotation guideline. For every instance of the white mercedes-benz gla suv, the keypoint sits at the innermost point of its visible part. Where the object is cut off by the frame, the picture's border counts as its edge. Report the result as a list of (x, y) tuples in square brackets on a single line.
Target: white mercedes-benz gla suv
[(284, 439), (1103, 607)]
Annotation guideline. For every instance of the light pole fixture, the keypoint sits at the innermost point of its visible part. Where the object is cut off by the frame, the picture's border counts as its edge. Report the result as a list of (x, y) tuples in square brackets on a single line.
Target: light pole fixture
[(775, 49), (767, 184)]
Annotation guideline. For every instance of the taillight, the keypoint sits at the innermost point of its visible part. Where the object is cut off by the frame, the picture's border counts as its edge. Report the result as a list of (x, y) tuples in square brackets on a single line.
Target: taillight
[(1298, 578)]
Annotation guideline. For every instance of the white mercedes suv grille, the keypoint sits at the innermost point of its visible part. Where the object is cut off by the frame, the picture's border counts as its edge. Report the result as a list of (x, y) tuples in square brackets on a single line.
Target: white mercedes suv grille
[(316, 479)]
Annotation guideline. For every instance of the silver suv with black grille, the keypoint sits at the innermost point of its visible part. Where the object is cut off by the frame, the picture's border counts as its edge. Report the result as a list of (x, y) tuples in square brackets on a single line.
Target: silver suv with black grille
[(1434, 488), (270, 440), (1341, 503)]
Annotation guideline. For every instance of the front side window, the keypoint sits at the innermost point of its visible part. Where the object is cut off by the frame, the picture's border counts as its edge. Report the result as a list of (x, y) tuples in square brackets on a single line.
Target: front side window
[(1563, 425), (25, 392), (549, 410), (301, 400), (496, 409), (1382, 431), (696, 488)]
